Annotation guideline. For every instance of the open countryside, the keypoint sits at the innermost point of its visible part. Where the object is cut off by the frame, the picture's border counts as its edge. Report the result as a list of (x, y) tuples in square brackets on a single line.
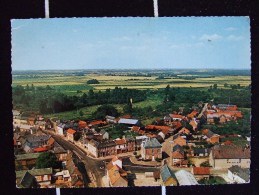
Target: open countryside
[(155, 128)]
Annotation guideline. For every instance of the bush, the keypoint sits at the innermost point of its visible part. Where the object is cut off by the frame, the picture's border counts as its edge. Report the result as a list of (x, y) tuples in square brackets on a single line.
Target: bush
[(205, 164), (93, 81), (47, 160)]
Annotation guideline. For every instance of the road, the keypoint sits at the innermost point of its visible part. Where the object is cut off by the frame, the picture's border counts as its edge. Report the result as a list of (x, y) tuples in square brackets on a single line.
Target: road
[(92, 165), (203, 110)]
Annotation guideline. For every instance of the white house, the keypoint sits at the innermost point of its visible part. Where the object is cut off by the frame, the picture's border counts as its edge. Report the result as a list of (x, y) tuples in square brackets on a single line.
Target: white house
[(60, 129)]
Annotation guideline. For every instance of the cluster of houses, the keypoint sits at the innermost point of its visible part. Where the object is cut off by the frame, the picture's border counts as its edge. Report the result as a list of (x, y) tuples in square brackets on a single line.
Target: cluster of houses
[(187, 141), (29, 144)]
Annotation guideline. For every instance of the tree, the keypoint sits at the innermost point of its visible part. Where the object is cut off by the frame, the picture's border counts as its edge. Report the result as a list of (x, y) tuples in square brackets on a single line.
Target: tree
[(81, 113), (167, 89), (127, 109), (205, 164), (215, 86), (104, 110), (77, 136), (47, 160), (93, 81)]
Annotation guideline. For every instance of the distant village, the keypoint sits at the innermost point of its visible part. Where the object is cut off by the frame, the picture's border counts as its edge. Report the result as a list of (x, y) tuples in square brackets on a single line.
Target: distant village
[(172, 151)]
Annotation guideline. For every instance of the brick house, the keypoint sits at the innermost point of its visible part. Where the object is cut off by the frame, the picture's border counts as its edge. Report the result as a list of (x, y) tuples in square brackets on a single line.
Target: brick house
[(151, 149), (120, 145), (25, 161), (177, 155)]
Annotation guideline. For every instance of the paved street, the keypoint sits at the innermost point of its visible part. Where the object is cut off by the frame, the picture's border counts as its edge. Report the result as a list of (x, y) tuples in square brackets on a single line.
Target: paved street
[(92, 165)]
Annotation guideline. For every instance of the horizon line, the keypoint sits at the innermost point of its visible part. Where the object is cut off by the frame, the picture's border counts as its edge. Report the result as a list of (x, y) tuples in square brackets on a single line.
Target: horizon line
[(133, 69)]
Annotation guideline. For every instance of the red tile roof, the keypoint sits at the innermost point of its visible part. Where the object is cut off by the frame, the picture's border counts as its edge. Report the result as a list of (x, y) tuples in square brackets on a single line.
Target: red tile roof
[(230, 152), (184, 130), (82, 124), (40, 149), (192, 114), (126, 116), (135, 128), (176, 116), (157, 127), (178, 155), (120, 141), (201, 170), (71, 131), (228, 142), (99, 122)]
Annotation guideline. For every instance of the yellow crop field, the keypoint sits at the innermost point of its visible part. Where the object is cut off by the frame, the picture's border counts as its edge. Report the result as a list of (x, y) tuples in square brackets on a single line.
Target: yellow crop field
[(68, 83)]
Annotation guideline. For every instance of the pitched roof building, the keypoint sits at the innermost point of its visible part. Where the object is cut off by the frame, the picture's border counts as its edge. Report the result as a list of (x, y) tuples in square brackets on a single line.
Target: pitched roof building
[(117, 177), (151, 149), (185, 178), (238, 174), (168, 176), (224, 156)]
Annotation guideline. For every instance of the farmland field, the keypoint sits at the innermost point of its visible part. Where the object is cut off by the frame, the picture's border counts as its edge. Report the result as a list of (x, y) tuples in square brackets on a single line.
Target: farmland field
[(74, 83), (71, 84)]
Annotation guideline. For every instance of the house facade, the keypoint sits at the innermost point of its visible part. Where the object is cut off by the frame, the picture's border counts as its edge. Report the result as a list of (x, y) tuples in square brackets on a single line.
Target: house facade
[(120, 145), (225, 156), (43, 176), (102, 148), (70, 135), (25, 161), (201, 172), (177, 155), (151, 149)]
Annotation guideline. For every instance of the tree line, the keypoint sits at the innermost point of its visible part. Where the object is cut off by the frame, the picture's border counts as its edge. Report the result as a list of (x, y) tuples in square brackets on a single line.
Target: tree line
[(46, 100)]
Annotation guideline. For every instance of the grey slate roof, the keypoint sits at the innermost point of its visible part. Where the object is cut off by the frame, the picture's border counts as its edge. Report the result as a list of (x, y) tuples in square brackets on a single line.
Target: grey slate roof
[(37, 138), (201, 150), (151, 143), (178, 148), (166, 173), (243, 173), (210, 134), (128, 121), (28, 181)]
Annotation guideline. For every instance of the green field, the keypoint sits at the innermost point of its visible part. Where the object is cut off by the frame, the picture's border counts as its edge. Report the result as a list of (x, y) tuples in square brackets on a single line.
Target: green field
[(71, 84), (74, 83)]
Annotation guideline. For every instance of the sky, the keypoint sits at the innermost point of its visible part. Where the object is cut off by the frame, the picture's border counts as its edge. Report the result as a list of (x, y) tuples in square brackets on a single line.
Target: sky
[(131, 43)]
